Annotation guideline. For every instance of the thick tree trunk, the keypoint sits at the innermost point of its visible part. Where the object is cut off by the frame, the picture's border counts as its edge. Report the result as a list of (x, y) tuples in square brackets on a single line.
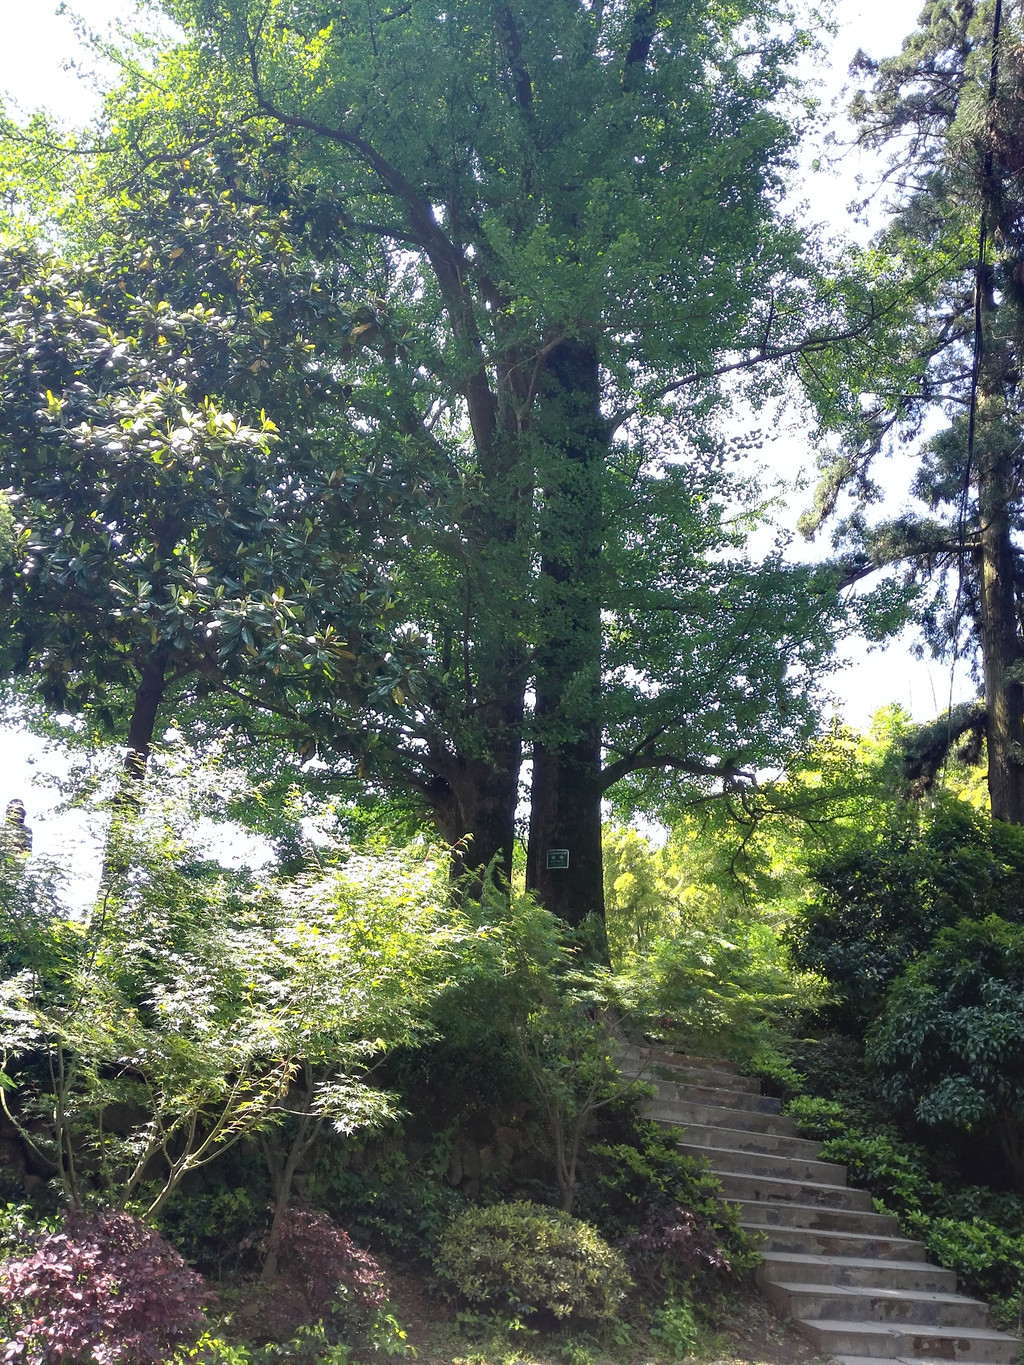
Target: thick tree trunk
[(564, 859), (474, 806)]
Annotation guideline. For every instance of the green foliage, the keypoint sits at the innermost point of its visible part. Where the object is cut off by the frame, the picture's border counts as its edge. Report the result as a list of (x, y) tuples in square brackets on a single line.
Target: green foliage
[(643, 1173), (567, 1055), (674, 1327), (693, 958), (884, 894), (384, 1198), (21, 1227), (143, 552), (974, 1230), (518, 210), (530, 1258), (893, 1170), (216, 1216), (623, 1180), (203, 1005), (949, 1046), (6, 532), (312, 1344), (987, 1256), (214, 1350), (817, 1117), (715, 992)]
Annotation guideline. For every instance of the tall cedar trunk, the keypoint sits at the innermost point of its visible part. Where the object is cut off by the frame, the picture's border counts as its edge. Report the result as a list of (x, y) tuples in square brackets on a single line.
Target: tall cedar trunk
[(1000, 643), (994, 462), (565, 818)]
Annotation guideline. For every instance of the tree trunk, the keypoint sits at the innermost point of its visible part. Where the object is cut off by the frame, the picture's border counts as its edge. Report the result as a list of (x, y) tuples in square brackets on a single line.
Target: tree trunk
[(994, 465), (474, 805), (148, 696), (1001, 652), (564, 859)]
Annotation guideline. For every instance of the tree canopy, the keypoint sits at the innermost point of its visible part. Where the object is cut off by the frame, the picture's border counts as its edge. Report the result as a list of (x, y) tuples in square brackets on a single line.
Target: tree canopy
[(536, 250)]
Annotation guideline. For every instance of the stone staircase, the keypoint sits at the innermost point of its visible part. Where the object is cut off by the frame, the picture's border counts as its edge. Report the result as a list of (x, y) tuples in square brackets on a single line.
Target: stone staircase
[(840, 1271)]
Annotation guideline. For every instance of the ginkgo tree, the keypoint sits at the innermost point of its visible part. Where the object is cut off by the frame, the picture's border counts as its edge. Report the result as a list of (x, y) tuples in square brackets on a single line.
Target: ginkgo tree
[(562, 225), (553, 232)]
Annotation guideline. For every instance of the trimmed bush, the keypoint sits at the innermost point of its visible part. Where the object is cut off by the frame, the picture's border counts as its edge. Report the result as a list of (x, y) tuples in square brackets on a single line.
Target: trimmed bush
[(529, 1258), (107, 1290)]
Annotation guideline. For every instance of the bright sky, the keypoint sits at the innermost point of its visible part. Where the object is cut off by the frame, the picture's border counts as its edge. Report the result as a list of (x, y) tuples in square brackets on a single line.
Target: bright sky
[(37, 68)]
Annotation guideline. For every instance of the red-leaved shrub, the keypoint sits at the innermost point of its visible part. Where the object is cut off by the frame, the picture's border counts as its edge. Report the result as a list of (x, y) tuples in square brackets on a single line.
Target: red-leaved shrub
[(107, 1290), (320, 1259), (675, 1245)]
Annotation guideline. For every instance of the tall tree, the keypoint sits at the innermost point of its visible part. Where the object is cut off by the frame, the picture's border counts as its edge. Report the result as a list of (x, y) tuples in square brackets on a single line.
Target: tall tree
[(558, 230), (949, 110), (164, 546)]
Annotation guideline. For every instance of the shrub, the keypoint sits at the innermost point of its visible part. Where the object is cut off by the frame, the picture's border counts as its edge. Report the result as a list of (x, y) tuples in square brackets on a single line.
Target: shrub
[(893, 1171), (816, 1117), (387, 1200), (107, 1289), (624, 1180), (989, 1260), (626, 1183), (949, 1048), (674, 1247), (530, 1258), (320, 1259), (885, 893), (675, 1329)]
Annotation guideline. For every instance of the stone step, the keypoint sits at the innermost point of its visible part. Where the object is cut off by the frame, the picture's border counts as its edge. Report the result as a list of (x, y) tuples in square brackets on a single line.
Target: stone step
[(873, 1303), (733, 1160), (704, 1076), (711, 1115), (820, 1243), (852, 1284), (768, 1214), (918, 1341), (653, 1054), (744, 1140), (901, 1360), (862, 1271), (776, 1189), (669, 1092)]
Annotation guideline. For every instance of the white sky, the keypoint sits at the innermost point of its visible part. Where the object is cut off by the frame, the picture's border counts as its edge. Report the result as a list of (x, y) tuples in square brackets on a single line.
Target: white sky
[(37, 54)]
